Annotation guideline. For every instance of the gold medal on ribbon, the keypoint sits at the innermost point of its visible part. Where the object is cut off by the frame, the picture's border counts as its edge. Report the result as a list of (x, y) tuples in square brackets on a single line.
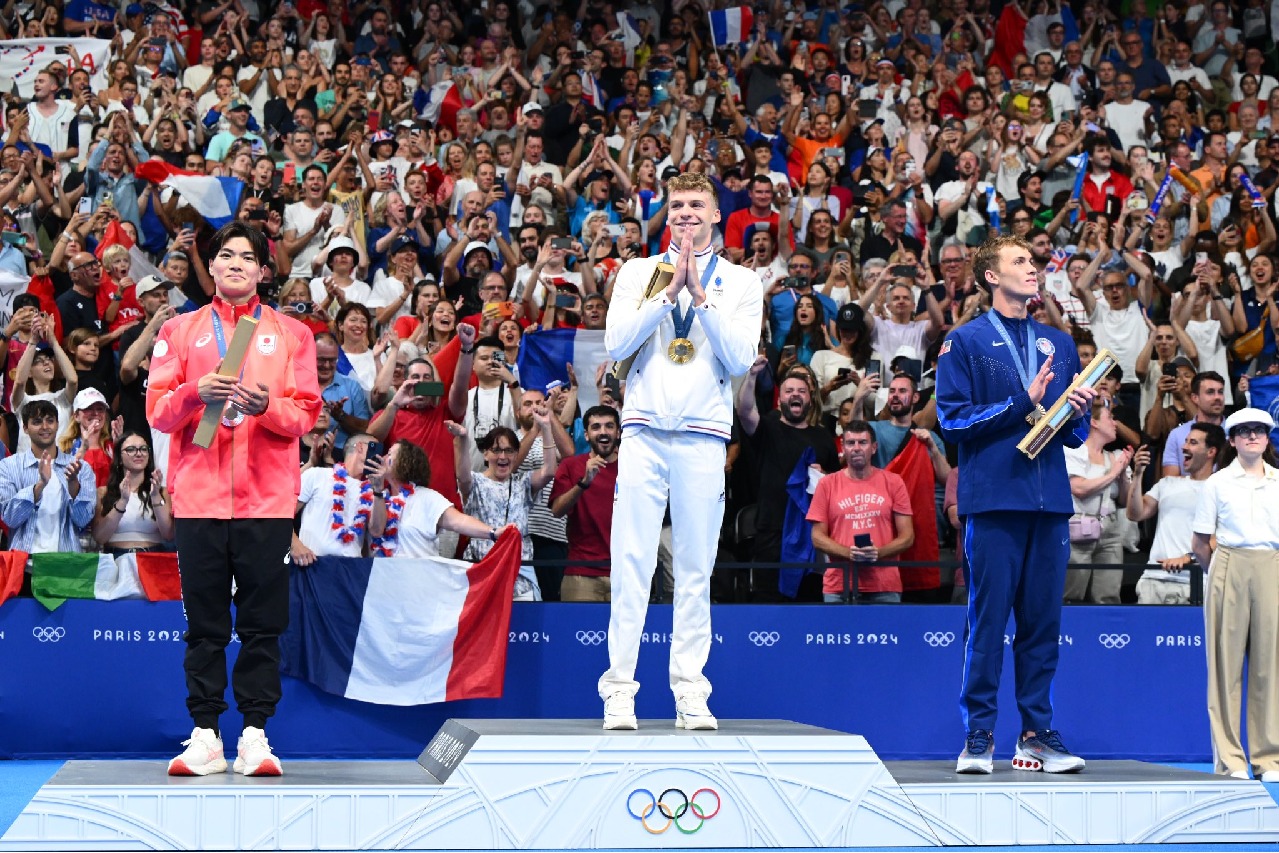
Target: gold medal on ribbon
[(681, 351)]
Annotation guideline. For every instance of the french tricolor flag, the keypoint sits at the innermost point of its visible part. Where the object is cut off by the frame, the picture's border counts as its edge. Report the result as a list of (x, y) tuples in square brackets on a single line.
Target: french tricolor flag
[(544, 357), (214, 198), (403, 631), (731, 26)]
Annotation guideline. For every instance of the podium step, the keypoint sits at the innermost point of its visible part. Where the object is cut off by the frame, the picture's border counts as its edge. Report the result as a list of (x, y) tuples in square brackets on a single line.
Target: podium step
[(569, 785)]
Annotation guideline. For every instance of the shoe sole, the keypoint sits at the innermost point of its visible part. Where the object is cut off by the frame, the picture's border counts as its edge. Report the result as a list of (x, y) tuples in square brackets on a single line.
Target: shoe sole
[(621, 725), (1021, 761), (970, 765), (266, 767), (178, 767), (703, 725)]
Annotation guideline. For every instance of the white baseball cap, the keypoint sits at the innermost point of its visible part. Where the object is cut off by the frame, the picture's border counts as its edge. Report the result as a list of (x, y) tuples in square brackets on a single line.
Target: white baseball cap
[(87, 397)]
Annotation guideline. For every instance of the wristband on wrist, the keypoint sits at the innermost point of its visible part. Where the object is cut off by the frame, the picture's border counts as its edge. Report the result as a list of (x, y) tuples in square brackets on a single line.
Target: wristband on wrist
[(119, 510), (492, 534), (583, 485), (466, 351)]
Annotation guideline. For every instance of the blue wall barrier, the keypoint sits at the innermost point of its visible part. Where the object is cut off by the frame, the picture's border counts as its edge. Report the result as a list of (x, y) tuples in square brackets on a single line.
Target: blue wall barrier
[(104, 679)]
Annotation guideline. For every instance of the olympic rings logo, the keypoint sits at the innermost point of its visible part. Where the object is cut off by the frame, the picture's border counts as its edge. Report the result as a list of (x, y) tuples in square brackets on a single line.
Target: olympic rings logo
[(764, 638), (673, 815), (48, 635), (939, 639), (1113, 641), (591, 638)]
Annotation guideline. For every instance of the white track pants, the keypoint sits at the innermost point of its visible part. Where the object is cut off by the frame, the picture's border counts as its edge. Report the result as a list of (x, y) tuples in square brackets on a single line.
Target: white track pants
[(690, 467)]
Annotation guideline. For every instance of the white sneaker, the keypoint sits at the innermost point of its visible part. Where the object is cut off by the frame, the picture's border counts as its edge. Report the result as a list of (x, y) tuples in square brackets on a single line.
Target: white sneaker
[(619, 712), (691, 713), (1240, 774), (254, 756), (1270, 776), (202, 756)]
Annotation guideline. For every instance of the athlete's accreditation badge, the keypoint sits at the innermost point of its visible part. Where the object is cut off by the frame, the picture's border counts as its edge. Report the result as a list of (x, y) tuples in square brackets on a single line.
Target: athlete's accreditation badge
[(681, 351)]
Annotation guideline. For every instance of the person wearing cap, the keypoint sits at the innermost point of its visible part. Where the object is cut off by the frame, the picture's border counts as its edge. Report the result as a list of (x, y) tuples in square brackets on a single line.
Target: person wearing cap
[(237, 114), (838, 370), (47, 497), (331, 290), (135, 352), (994, 374), (393, 286), (89, 433), (234, 502), (1236, 534)]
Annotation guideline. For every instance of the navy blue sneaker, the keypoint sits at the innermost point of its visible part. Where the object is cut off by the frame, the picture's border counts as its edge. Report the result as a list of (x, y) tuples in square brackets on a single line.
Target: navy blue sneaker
[(1044, 751), (979, 753)]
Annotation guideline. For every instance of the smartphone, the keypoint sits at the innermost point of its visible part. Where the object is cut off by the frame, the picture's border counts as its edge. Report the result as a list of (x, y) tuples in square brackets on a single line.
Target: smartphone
[(612, 383), (565, 243), (85, 205), (867, 108), (302, 307), (861, 540), (843, 371), (1114, 207), (837, 153), (374, 450), (374, 120), (614, 230), (910, 366), (188, 227), (788, 351), (846, 85), (106, 199), (505, 310), (873, 368), (903, 271), (565, 300), (332, 145), (428, 389), (499, 357), (13, 238), (1201, 257)]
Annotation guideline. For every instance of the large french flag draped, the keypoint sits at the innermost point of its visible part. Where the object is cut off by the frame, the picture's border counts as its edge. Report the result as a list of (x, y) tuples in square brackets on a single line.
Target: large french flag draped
[(543, 356), (214, 198), (402, 631), (731, 26)]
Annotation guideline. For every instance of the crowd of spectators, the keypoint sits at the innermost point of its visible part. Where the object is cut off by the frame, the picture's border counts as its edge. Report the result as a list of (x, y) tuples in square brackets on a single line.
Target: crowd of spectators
[(427, 166)]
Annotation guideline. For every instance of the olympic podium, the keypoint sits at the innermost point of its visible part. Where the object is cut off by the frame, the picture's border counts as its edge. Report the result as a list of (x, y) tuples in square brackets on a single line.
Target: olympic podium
[(567, 785)]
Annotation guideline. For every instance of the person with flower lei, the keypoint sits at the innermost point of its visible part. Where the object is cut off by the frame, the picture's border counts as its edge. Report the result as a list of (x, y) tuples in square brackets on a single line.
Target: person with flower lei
[(407, 514), (336, 504)]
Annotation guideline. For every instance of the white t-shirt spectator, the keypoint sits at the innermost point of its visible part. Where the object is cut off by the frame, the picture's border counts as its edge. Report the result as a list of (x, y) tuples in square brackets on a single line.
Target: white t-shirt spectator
[(1129, 122), (299, 218), (316, 528), (1122, 332), (419, 523)]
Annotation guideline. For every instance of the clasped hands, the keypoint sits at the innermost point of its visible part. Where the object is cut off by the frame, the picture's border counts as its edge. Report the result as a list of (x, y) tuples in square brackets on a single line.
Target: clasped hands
[(686, 274)]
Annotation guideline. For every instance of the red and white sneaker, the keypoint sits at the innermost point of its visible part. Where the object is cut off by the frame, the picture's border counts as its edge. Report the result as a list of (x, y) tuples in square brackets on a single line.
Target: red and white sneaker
[(202, 756), (254, 756)]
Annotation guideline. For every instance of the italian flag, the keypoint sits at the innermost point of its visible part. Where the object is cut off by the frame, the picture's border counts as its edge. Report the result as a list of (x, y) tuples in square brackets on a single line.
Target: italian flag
[(150, 576)]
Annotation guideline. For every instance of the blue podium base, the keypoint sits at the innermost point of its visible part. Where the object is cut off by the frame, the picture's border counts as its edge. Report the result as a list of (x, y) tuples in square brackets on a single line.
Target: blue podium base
[(567, 785)]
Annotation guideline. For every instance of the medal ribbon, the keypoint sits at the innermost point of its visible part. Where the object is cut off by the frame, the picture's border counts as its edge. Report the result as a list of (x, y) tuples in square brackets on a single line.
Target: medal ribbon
[(220, 336), (1027, 370), (684, 322)]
